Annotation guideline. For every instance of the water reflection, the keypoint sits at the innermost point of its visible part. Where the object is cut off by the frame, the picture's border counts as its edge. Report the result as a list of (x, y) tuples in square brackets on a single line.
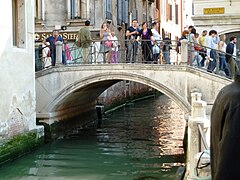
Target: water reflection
[(140, 141)]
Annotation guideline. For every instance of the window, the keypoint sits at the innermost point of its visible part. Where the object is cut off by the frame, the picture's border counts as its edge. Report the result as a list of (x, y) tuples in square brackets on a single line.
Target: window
[(157, 4), (108, 10), (134, 14), (72, 9), (119, 12), (78, 9), (38, 10), (18, 23), (176, 14), (122, 12), (170, 12), (163, 7)]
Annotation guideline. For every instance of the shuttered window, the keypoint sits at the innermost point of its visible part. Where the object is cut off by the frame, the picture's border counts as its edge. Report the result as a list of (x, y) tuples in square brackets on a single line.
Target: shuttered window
[(18, 23)]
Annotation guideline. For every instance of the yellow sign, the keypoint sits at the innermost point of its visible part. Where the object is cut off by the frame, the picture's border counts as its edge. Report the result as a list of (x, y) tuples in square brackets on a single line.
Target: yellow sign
[(219, 10)]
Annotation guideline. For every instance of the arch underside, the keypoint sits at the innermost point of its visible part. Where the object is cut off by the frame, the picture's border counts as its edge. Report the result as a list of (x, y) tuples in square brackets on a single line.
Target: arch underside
[(89, 88)]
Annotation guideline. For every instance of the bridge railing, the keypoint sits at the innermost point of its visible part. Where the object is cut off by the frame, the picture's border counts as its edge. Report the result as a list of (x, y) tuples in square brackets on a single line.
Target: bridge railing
[(121, 51), (142, 51), (197, 56)]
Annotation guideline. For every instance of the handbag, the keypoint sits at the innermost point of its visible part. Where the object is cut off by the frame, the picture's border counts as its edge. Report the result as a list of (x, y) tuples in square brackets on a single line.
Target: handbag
[(197, 47), (156, 49), (108, 42)]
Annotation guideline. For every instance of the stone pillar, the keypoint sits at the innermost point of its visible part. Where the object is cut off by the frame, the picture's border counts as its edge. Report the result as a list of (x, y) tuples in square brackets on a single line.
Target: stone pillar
[(59, 52), (198, 117), (184, 52), (198, 106)]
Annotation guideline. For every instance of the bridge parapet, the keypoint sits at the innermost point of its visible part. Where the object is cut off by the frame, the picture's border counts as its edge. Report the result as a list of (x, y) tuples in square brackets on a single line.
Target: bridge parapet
[(58, 88)]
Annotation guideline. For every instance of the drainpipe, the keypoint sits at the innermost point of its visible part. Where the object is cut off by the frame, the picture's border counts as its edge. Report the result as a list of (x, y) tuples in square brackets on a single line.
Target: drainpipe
[(147, 11)]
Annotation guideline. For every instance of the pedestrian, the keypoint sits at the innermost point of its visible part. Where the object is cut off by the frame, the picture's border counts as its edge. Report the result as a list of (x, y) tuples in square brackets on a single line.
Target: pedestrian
[(189, 31), (84, 41), (202, 43), (46, 54), (67, 50), (166, 49), (156, 43), (52, 40), (211, 43), (225, 133), (147, 38), (132, 34), (197, 48), (106, 42), (223, 66), (184, 36), (231, 54), (114, 53), (193, 41)]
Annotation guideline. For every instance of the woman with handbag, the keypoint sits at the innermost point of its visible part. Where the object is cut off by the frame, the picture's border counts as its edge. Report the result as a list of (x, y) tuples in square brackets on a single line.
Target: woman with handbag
[(106, 42), (195, 48)]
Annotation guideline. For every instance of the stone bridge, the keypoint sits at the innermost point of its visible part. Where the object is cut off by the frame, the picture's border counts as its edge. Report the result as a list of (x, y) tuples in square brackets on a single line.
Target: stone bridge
[(62, 90)]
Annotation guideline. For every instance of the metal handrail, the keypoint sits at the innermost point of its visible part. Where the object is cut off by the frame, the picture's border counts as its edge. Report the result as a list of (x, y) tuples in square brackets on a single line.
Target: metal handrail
[(95, 56)]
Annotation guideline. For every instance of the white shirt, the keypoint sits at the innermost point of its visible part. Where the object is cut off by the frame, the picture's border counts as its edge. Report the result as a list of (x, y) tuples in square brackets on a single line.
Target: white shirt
[(235, 50), (156, 35), (223, 49), (211, 42), (115, 43)]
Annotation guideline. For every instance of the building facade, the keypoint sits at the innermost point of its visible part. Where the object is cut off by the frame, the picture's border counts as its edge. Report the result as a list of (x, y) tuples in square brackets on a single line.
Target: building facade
[(173, 16), (17, 80), (69, 16), (222, 15)]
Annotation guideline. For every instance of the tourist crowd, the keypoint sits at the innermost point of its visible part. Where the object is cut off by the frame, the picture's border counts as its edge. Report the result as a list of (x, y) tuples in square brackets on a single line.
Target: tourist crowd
[(206, 50)]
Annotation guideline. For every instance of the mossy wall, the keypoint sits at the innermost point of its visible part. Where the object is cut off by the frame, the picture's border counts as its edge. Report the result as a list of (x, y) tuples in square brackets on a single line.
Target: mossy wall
[(19, 145)]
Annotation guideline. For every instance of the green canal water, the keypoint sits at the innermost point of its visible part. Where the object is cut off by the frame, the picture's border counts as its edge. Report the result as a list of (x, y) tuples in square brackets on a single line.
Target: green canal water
[(142, 141)]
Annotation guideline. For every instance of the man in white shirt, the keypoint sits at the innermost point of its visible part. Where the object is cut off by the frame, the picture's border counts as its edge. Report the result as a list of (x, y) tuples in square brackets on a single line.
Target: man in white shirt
[(156, 44), (211, 43)]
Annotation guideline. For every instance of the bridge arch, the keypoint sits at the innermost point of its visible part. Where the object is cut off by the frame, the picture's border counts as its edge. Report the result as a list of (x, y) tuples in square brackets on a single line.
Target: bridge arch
[(63, 90), (115, 77)]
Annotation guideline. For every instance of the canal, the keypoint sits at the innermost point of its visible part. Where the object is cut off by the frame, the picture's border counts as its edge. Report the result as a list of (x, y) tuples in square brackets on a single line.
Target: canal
[(142, 141)]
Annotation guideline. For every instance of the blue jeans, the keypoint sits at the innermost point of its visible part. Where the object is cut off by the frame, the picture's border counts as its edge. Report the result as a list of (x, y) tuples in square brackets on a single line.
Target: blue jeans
[(132, 51), (223, 64), (197, 58), (166, 56), (212, 64)]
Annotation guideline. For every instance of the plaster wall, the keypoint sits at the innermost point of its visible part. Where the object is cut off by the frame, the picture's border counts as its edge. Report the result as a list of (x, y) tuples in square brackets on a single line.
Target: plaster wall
[(17, 74), (170, 26)]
